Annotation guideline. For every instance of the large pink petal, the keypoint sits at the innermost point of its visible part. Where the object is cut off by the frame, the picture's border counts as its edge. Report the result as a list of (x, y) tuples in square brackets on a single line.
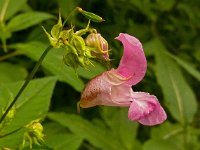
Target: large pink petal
[(133, 62), (146, 109), (106, 89)]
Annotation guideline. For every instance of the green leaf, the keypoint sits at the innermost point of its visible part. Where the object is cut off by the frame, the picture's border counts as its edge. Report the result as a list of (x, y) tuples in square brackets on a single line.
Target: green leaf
[(11, 7), (53, 62), (167, 131), (11, 72), (25, 20), (12, 141), (179, 97), (59, 137), (117, 120), (188, 67), (33, 103), (98, 136), (91, 71), (6, 96), (161, 145)]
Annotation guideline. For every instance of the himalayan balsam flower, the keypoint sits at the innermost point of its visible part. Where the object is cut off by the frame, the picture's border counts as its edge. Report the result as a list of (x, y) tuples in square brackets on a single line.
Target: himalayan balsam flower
[(113, 87)]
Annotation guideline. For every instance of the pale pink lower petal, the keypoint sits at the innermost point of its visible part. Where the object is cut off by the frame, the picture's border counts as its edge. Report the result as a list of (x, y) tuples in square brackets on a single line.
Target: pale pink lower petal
[(146, 109), (121, 94), (106, 90), (133, 62)]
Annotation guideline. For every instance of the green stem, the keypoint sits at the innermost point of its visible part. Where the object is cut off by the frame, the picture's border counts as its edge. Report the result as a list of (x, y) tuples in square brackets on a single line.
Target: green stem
[(26, 82), (4, 57), (69, 15)]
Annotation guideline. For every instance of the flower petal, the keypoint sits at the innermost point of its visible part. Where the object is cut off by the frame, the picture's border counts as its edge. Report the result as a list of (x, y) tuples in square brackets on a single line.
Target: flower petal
[(146, 109), (106, 89), (133, 62)]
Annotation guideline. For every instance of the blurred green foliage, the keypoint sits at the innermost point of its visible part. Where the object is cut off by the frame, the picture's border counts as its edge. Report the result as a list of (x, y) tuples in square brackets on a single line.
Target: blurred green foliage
[(169, 31)]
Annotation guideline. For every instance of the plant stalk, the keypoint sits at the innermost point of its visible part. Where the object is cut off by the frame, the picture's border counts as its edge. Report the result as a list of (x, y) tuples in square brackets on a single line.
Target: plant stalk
[(26, 82)]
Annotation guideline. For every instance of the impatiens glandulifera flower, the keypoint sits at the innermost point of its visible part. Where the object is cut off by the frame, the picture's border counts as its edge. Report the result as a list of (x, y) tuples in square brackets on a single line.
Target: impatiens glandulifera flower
[(114, 87)]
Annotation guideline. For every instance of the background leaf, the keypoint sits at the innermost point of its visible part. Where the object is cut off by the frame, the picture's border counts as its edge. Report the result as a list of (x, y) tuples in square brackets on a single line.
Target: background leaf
[(96, 135), (26, 20), (33, 103), (124, 129), (13, 140), (160, 145), (11, 72), (59, 137), (188, 67), (178, 94), (12, 7)]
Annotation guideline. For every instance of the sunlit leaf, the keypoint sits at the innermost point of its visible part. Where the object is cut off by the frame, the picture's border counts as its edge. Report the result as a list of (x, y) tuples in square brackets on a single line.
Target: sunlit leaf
[(59, 137), (11, 72), (25, 20), (97, 136), (126, 130), (53, 62), (160, 145), (33, 103)]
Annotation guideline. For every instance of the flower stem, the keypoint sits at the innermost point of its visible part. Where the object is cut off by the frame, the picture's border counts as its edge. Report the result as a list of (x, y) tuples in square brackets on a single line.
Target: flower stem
[(26, 82), (9, 55)]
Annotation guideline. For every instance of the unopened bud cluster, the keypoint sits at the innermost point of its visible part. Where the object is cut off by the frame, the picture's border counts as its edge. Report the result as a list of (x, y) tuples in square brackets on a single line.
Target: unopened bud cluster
[(34, 134), (78, 50)]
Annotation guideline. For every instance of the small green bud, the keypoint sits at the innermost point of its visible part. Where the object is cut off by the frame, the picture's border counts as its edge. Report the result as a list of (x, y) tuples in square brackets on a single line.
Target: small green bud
[(99, 45), (34, 134), (79, 43), (70, 60), (56, 29), (90, 15)]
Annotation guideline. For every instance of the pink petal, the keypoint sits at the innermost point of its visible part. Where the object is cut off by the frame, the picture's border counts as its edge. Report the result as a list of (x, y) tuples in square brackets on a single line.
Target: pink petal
[(106, 89), (133, 62), (146, 109)]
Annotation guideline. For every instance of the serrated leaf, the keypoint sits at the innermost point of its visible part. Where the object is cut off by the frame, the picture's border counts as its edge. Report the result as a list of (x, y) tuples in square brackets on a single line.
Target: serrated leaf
[(53, 62), (11, 72), (33, 103), (96, 135), (11, 7), (25, 20), (179, 97)]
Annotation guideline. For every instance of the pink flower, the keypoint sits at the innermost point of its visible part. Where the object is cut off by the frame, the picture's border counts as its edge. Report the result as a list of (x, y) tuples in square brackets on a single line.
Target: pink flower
[(113, 87)]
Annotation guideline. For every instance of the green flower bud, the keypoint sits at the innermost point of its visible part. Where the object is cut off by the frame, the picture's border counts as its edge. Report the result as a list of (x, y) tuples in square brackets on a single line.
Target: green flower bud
[(34, 134), (79, 43), (90, 15), (57, 36), (99, 46), (71, 60)]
